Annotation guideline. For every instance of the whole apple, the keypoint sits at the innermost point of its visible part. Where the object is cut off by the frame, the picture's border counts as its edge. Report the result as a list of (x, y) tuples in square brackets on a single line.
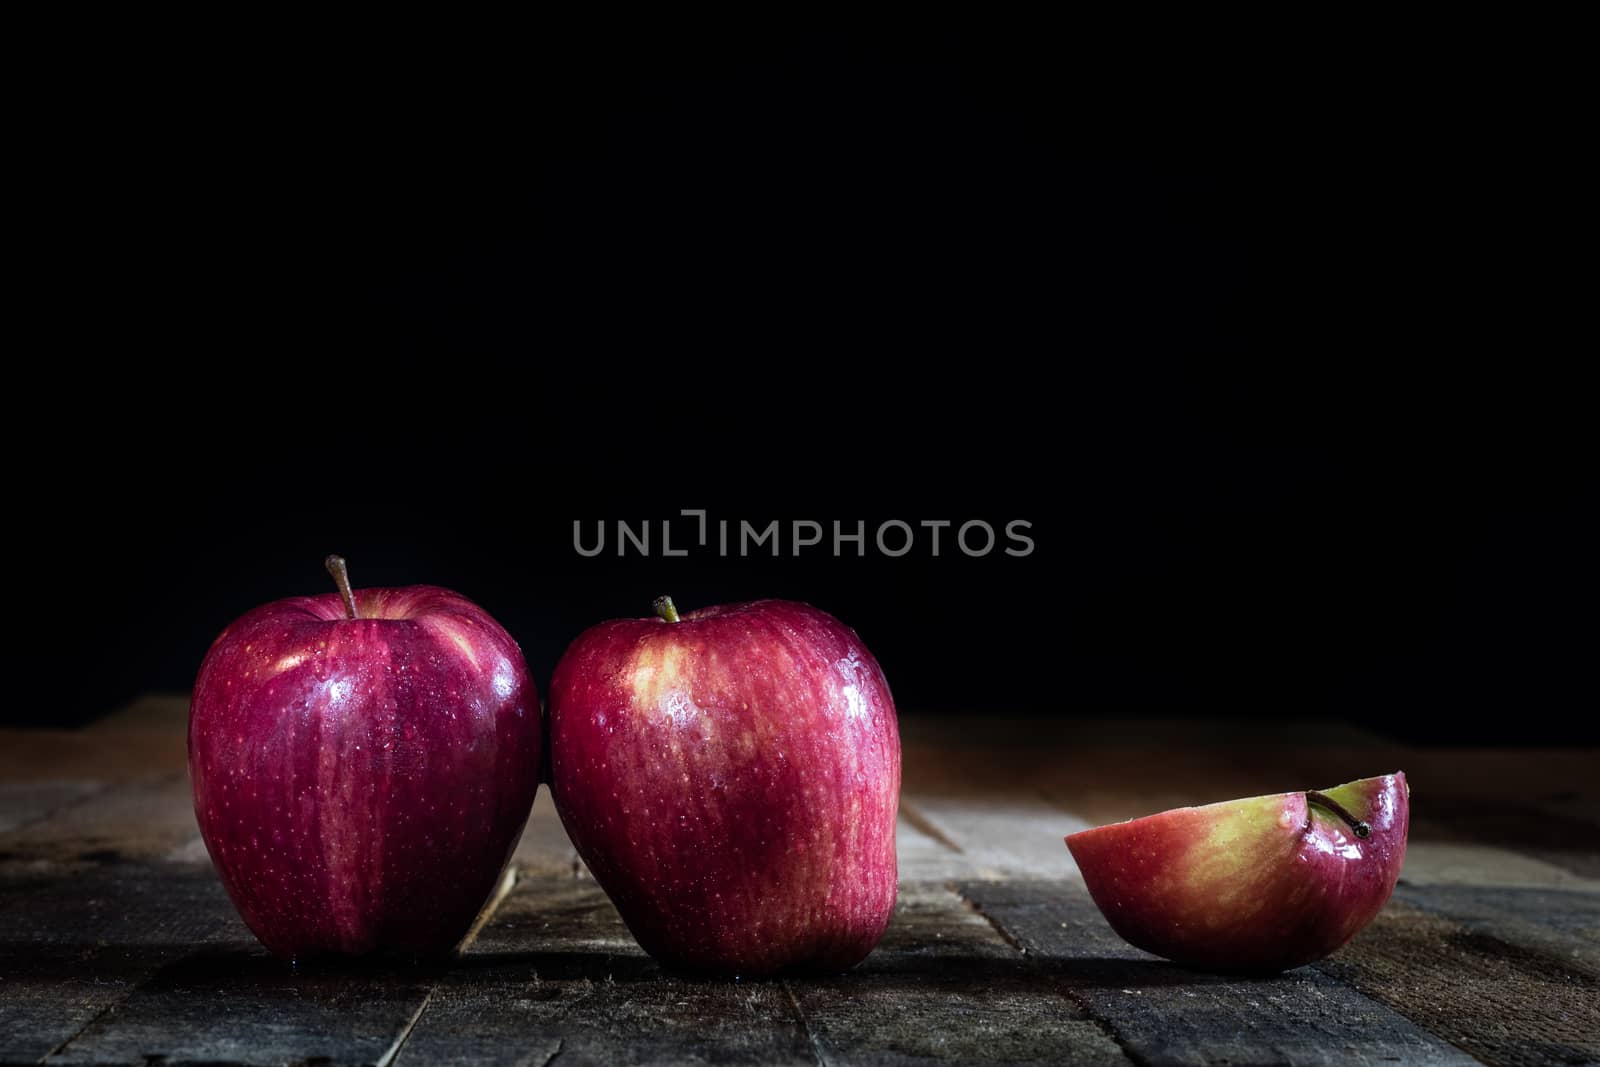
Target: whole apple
[(732, 779), (363, 764), (1260, 884)]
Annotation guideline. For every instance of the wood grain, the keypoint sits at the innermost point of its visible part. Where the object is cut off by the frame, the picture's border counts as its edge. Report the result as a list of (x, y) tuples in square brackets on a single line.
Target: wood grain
[(235, 1004), (72, 948), (117, 944), (946, 987), (555, 970), (1502, 1002), (1163, 1014)]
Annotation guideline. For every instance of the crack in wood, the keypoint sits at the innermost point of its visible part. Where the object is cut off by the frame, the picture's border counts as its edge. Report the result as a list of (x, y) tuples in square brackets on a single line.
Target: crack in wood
[(925, 826), (508, 881), (96, 1017), (1474, 959), (977, 909), (502, 889), (388, 1058), (1065, 989), (77, 800), (805, 1027)]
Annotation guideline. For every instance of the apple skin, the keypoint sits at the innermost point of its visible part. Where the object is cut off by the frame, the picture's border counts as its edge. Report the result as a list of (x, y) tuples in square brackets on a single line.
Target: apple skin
[(1261, 884), (732, 780), (361, 783)]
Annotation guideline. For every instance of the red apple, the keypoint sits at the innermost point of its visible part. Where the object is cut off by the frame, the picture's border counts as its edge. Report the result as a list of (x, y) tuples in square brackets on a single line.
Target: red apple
[(1260, 884), (732, 779), (363, 764)]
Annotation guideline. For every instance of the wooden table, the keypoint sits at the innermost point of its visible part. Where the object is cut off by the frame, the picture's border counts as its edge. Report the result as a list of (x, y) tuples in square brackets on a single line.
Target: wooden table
[(117, 944)]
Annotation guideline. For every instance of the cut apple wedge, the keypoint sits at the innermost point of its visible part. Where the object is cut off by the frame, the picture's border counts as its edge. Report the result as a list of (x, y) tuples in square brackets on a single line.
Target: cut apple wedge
[(1261, 884)]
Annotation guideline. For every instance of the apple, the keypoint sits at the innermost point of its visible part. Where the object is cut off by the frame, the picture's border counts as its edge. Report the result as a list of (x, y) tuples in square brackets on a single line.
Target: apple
[(363, 764), (1261, 884), (732, 779)]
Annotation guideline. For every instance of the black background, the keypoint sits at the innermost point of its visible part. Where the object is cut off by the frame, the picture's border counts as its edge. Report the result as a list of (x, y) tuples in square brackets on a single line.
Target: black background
[(1228, 323)]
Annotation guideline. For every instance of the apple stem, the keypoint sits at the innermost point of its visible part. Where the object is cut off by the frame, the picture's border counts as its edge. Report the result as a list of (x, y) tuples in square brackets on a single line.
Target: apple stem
[(666, 608), (1323, 800), (341, 578)]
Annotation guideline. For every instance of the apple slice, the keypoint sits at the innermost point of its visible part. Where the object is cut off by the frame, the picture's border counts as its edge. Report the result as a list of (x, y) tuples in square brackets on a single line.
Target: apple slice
[(1259, 884)]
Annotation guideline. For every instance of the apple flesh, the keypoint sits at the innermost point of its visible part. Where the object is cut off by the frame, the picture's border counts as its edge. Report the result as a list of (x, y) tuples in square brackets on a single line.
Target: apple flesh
[(360, 782), (732, 779), (1261, 884)]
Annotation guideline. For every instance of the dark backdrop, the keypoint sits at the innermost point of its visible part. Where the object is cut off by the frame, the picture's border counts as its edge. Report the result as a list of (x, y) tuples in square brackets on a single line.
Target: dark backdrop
[(1208, 315)]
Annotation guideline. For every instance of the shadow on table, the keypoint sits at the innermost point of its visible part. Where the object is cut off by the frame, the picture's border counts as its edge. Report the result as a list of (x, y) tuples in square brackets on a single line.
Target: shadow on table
[(248, 967)]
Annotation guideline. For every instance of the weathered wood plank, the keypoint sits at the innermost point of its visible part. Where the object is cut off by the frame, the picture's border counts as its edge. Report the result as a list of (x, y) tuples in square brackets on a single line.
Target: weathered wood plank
[(22, 803), (1446, 862), (1004, 835), (1496, 914), (1163, 1014), (544, 848), (1563, 841), (235, 1004), (555, 970), (1504, 1003), (922, 850), (1562, 924), (945, 987), (71, 948), (224, 999), (135, 820)]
